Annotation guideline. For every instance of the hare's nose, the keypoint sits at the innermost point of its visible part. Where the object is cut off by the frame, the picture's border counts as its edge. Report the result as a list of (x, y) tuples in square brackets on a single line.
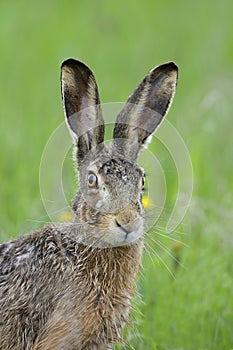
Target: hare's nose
[(127, 226), (122, 228)]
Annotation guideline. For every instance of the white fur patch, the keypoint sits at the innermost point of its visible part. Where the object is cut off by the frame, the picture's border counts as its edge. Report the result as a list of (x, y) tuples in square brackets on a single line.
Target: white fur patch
[(23, 256)]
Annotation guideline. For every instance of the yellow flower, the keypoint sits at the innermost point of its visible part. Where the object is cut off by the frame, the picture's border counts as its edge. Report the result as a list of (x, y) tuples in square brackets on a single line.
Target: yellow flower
[(66, 216), (147, 202), (177, 245)]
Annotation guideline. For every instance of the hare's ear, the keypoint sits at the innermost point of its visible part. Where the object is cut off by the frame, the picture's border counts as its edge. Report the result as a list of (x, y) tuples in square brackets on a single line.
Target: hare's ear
[(82, 106), (145, 110)]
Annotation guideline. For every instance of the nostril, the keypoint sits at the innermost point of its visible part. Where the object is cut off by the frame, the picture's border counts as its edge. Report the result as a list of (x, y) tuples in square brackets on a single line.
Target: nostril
[(121, 227), (117, 223)]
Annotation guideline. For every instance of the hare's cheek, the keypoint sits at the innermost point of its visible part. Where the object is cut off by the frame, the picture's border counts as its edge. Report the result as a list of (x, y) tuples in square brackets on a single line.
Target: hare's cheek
[(104, 204), (99, 204), (102, 207)]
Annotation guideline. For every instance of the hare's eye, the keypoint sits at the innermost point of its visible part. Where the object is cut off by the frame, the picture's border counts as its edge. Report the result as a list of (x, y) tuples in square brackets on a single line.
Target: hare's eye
[(143, 183), (92, 180)]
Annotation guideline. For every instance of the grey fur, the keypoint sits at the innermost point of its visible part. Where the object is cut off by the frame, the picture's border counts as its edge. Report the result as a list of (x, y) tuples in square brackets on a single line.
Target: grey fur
[(68, 286)]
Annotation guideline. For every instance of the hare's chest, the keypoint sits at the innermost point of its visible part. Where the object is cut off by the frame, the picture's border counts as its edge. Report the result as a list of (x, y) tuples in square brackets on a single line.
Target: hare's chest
[(102, 316), (82, 318)]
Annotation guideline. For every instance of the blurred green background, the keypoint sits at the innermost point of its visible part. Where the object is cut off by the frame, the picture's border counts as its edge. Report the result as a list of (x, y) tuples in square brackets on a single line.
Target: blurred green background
[(121, 41)]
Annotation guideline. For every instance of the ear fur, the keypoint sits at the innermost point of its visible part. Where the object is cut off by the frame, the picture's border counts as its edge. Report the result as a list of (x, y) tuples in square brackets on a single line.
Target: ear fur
[(145, 109), (82, 106)]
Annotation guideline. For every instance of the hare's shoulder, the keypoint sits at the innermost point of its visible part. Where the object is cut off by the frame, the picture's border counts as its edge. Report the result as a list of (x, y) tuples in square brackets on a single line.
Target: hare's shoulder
[(34, 278), (31, 251)]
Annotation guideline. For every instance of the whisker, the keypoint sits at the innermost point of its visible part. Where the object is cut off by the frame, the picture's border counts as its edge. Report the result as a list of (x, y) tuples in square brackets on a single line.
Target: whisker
[(165, 265), (161, 245), (148, 251), (172, 239), (161, 228)]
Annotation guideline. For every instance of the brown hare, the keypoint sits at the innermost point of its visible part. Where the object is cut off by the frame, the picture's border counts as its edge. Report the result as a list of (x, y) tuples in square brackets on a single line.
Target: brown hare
[(68, 286)]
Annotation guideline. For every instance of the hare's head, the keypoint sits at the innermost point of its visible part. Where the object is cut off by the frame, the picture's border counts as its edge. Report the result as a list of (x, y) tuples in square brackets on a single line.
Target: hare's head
[(108, 205)]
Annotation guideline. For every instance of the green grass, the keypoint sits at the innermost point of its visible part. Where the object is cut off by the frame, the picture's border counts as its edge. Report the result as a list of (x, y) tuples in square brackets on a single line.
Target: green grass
[(121, 41)]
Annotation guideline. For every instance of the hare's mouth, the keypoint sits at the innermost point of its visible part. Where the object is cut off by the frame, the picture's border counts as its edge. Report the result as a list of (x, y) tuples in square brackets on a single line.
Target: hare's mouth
[(122, 228), (114, 232), (121, 234), (129, 234)]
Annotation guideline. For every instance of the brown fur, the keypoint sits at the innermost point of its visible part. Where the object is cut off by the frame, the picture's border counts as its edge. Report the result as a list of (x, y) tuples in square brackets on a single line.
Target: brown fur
[(101, 303), (69, 286), (91, 296)]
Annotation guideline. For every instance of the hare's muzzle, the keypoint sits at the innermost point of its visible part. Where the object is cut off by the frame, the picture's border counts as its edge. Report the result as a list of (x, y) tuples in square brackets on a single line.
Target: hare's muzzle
[(128, 228)]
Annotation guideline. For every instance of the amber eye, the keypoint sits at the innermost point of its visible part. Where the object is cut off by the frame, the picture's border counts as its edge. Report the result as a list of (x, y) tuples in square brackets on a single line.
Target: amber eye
[(143, 183), (92, 180)]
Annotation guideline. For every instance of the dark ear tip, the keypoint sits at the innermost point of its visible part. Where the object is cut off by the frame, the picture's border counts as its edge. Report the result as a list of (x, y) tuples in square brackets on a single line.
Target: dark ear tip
[(73, 63), (69, 62), (167, 67), (170, 65)]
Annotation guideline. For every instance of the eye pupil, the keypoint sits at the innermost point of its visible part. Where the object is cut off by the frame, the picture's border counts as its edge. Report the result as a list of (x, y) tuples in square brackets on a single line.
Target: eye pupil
[(92, 180), (143, 183)]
